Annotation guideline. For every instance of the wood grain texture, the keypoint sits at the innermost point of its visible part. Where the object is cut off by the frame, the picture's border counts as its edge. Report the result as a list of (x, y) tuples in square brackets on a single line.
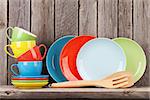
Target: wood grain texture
[(141, 34), (8, 92), (66, 17), (107, 18), (42, 20), (125, 18), (42, 23), (88, 17), (3, 42), (19, 15), (52, 19)]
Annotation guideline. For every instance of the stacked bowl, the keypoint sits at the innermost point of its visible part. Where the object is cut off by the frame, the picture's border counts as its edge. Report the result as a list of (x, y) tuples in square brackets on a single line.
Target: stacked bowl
[(29, 57), (72, 58)]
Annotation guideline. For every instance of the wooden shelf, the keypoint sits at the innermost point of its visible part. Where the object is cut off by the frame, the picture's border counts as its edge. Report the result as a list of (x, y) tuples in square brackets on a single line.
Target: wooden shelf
[(9, 92)]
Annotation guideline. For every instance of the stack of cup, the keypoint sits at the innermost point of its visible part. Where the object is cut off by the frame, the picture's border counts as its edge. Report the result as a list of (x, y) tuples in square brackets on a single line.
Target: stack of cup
[(28, 54)]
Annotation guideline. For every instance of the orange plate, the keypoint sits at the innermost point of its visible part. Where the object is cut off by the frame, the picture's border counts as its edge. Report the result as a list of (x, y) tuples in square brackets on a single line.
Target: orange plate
[(68, 57), (29, 78)]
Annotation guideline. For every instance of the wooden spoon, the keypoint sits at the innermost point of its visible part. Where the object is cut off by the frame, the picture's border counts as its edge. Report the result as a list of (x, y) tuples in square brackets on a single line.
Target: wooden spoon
[(116, 80)]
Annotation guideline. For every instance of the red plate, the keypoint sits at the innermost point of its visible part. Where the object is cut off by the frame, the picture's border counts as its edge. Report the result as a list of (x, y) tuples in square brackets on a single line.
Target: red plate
[(68, 57), (29, 78)]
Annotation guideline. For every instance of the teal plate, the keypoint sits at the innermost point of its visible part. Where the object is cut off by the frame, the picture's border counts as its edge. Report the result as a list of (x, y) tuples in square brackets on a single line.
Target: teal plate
[(52, 58)]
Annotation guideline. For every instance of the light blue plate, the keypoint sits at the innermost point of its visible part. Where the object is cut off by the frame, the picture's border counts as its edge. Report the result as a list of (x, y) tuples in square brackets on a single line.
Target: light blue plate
[(99, 58), (40, 76), (52, 58)]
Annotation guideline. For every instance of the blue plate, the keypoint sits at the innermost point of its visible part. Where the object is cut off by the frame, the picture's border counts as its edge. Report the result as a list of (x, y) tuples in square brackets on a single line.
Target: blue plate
[(52, 58), (40, 76)]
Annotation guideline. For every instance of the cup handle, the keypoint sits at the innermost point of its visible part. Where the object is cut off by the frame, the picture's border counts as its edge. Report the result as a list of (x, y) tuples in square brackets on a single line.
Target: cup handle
[(12, 70), (5, 49), (7, 33), (42, 45)]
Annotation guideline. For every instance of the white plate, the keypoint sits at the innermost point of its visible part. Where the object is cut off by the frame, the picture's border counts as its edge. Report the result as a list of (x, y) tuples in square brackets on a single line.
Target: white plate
[(99, 58)]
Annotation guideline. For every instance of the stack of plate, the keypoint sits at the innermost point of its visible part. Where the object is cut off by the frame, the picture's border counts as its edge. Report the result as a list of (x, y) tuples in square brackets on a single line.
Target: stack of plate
[(89, 58), (29, 81)]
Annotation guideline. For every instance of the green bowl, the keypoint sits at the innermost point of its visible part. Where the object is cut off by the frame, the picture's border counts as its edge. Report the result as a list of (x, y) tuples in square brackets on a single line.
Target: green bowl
[(136, 59)]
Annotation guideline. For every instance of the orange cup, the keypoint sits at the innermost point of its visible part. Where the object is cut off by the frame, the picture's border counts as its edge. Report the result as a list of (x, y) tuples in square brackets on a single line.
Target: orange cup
[(33, 54)]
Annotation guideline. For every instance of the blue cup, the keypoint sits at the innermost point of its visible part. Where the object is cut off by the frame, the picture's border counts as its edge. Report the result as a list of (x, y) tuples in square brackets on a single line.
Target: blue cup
[(31, 68)]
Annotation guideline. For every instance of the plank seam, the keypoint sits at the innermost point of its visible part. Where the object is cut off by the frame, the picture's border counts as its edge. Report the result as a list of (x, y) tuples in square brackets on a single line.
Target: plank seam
[(54, 21), (78, 17), (97, 19), (132, 19), (7, 39), (30, 15), (118, 18)]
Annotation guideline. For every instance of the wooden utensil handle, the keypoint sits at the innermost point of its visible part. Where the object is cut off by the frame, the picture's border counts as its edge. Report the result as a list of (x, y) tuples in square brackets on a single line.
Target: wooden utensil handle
[(72, 84)]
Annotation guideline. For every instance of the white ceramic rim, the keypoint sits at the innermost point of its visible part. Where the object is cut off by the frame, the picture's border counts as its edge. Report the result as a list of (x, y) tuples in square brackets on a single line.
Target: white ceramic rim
[(27, 32), (114, 43)]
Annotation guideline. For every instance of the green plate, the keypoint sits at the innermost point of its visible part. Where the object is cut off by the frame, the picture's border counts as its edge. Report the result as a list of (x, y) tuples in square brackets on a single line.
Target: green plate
[(136, 59), (28, 81)]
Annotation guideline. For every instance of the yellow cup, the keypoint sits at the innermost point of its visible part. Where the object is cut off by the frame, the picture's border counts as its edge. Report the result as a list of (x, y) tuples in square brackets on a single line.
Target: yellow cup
[(19, 48)]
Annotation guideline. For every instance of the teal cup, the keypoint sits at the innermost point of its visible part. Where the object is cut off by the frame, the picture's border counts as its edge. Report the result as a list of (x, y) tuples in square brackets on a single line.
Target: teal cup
[(30, 68)]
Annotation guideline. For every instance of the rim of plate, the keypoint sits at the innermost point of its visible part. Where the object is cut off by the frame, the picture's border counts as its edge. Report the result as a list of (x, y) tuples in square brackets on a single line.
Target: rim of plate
[(141, 49), (27, 32), (39, 76), (30, 83), (50, 50), (115, 44), (78, 51)]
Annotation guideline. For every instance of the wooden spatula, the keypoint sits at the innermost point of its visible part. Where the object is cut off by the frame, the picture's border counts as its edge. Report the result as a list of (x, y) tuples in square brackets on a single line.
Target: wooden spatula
[(117, 80)]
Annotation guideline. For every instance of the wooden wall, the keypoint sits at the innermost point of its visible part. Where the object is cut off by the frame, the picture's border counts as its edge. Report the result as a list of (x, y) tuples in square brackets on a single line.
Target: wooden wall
[(51, 19)]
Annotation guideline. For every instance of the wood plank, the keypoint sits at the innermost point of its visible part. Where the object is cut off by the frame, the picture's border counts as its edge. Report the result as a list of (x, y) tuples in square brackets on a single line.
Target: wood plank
[(43, 20), (19, 15), (8, 92), (88, 17), (125, 18), (66, 17), (42, 23), (107, 18), (141, 33), (3, 42)]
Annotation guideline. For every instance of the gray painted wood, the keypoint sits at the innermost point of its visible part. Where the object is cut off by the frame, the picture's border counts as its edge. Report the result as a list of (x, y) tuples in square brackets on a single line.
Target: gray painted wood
[(107, 18), (8, 92), (141, 33), (19, 15), (88, 17), (3, 42), (42, 23), (42, 20), (52, 19), (66, 17), (125, 18)]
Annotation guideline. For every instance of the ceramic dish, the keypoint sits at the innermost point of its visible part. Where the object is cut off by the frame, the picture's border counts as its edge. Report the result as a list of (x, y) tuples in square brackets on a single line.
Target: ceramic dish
[(38, 76), (29, 78), (99, 58), (52, 58), (136, 59), (68, 57), (28, 81), (29, 85)]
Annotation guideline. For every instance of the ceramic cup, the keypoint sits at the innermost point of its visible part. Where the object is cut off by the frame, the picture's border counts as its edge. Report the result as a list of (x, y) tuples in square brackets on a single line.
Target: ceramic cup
[(19, 34), (30, 68), (33, 54), (19, 48)]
